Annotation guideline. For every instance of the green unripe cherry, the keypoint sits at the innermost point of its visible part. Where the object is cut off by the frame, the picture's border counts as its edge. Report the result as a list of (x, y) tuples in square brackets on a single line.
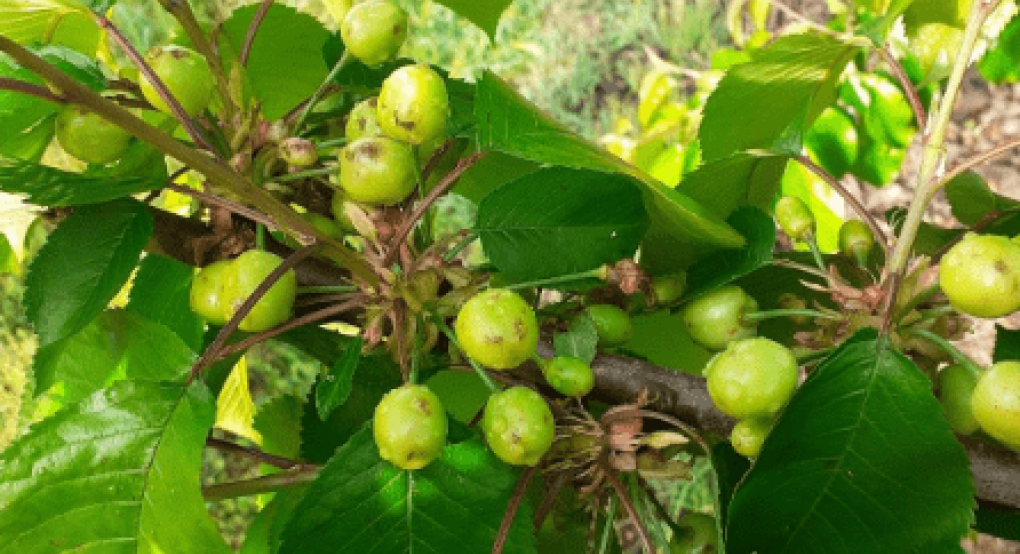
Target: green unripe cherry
[(518, 426), (748, 436), (413, 104), (212, 290), (996, 403), (497, 329), (717, 318), (956, 387), (363, 121), (700, 535), (299, 152), (667, 289), (612, 324), (752, 378), (186, 75), (981, 276), (90, 138), (795, 217), (377, 170), (275, 306), (410, 427), (570, 376), (855, 239), (374, 31)]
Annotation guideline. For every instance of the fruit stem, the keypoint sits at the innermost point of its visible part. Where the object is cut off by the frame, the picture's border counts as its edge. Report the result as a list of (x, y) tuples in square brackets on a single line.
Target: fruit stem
[(812, 243), (790, 312), (958, 356), (916, 301), (253, 29), (332, 143), (607, 530), (461, 245), (297, 176), (591, 273), (260, 236), (326, 289), (482, 374), (315, 98), (847, 196), (934, 141), (920, 117), (259, 485)]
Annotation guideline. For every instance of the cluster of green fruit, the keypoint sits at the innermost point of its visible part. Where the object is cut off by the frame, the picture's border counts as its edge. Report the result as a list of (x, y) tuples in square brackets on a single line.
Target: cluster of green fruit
[(94, 140), (750, 378), (221, 288), (981, 277)]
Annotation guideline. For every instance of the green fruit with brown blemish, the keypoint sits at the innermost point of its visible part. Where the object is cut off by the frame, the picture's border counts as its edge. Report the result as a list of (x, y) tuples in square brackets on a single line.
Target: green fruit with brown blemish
[(981, 276), (363, 121), (410, 427), (497, 329), (374, 31), (518, 426), (377, 170), (413, 105)]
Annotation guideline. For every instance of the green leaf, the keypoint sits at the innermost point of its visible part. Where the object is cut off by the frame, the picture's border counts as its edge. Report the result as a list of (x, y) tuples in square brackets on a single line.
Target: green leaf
[(483, 14), (114, 473), (510, 124), (47, 186), (116, 345), (1007, 344), (998, 522), (287, 39), (729, 468), (662, 338), (279, 423), (361, 503), (727, 266), (44, 21), (8, 258), (162, 293), (235, 409), (580, 340), (263, 535), (335, 387), (83, 265), (558, 221), (463, 393), (790, 81), (377, 375), (971, 199), (862, 460), (745, 178), (1001, 64)]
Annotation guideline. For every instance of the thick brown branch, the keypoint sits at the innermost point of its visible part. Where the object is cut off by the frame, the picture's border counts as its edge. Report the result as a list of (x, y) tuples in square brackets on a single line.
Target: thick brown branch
[(620, 380)]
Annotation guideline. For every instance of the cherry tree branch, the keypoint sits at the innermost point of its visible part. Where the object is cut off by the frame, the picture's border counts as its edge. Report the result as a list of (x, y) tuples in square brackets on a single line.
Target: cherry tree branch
[(908, 87), (980, 159), (253, 29), (31, 89), (259, 485), (256, 454)]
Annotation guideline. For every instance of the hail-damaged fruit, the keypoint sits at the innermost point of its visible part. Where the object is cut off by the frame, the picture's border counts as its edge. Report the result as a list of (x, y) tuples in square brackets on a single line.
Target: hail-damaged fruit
[(377, 170), (413, 105), (981, 276), (410, 427), (497, 329), (363, 121), (518, 426), (374, 31), (752, 378)]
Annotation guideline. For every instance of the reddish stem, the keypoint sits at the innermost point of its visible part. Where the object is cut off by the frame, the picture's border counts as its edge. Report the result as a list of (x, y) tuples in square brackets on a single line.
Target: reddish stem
[(511, 509)]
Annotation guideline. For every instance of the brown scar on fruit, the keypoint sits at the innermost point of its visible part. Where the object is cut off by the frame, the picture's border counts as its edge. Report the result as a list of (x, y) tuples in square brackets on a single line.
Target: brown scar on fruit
[(494, 339), (370, 150), (424, 407), (1001, 266)]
